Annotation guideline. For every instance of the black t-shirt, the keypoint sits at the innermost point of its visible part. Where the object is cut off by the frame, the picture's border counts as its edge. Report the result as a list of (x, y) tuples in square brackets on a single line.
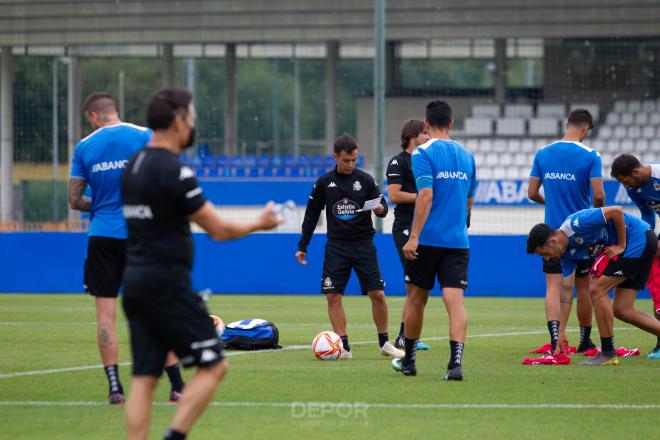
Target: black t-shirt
[(341, 195), (158, 193), (399, 171)]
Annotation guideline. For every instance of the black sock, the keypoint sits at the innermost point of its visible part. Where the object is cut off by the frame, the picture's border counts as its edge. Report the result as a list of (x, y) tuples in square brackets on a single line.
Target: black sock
[(344, 341), (456, 354), (657, 344), (411, 350), (174, 435), (383, 338), (401, 331), (553, 328), (112, 373), (174, 373), (607, 344), (585, 334)]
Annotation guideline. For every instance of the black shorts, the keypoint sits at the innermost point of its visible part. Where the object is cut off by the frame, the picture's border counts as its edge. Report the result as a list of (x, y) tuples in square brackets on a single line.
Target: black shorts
[(448, 265), (104, 266), (400, 237), (341, 256), (635, 270), (164, 314), (553, 267)]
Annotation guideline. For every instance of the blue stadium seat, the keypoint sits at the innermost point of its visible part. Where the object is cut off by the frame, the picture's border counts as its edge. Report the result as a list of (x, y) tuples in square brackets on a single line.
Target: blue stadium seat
[(202, 150), (277, 160), (316, 161), (208, 161), (222, 160), (249, 160), (263, 161)]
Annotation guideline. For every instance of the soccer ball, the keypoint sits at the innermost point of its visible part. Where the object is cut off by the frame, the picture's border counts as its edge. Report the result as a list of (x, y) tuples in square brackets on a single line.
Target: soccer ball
[(218, 324), (327, 346)]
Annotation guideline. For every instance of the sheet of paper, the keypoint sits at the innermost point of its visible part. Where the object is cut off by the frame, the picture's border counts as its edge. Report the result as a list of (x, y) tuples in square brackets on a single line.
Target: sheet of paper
[(370, 205)]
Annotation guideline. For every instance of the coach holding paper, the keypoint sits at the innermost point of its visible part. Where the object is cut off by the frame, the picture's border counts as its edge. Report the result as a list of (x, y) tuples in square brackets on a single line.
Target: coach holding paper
[(344, 193)]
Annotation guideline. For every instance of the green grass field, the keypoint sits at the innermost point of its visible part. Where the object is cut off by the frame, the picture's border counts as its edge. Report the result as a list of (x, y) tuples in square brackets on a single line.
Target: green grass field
[(276, 394)]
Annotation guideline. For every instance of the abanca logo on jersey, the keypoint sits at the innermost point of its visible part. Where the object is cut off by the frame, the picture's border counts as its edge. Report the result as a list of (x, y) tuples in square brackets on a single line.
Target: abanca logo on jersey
[(111, 165), (345, 209), (559, 176), (140, 212), (460, 175)]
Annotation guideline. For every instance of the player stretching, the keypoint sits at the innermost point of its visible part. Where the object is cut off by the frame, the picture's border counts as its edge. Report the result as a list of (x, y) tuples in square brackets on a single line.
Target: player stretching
[(643, 185), (98, 162), (567, 169), (161, 197), (343, 192), (402, 191), (438, 245), (626, 247)]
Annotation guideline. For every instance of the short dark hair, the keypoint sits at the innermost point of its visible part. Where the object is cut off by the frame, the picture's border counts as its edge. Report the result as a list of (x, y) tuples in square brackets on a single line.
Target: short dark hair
[(438, 114), (165, 105), (580, 116), (411, 129), (538, 236), (99, 102), (624, 165), (346, 143)]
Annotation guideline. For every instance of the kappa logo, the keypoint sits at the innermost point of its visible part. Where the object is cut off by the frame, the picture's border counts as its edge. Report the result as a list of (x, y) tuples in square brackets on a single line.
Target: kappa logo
[(394, 162), (186, 173), (357, 186), (406, 278), (327, 283), (576, 223), (406, 232), (332, 185), (572, 251), (618, 272), (208, 355)]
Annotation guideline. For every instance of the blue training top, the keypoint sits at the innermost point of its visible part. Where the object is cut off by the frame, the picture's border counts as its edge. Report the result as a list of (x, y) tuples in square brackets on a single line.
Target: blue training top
[(100, 159), (588, 233), (647, 196), (565, 169), (448, 168)]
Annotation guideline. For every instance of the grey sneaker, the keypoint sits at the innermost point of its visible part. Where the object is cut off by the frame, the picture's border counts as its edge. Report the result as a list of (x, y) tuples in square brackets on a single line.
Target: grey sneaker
[(605, 358)]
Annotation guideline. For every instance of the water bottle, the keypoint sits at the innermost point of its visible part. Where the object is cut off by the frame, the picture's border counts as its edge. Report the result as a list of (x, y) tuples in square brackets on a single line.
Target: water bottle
[(281, 210)]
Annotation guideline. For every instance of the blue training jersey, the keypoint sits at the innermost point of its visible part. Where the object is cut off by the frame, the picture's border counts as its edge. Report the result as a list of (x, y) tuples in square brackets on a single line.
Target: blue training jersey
[(448, 168), (647, 196), (588, 233), (565, 169), (100, 159)]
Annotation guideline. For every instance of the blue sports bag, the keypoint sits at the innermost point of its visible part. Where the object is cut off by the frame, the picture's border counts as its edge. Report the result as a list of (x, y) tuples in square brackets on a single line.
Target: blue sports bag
[(251, 334)]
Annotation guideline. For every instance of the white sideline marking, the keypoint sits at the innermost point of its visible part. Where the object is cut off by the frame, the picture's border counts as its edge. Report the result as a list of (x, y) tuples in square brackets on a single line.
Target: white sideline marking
[(366, 405), (287, 348)]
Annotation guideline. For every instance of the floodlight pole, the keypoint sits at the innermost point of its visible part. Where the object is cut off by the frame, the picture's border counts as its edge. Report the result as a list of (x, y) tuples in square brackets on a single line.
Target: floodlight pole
[(379, 93), (121, 80), (6, 134), (73, 114), (55, 139)]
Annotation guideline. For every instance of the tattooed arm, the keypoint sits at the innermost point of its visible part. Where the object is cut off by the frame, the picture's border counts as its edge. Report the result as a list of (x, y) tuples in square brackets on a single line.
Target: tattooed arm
[(75, 196)]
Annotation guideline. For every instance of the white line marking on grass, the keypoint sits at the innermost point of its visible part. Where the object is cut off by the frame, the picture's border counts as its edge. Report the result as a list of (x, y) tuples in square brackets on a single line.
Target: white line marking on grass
[(54, 370), (293, 405), (286, 348)]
